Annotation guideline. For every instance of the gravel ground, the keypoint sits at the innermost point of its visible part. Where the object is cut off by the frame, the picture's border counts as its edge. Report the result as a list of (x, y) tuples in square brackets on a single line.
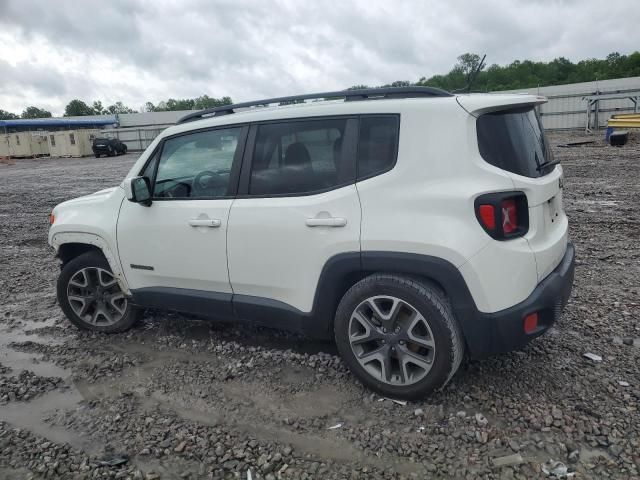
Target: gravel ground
[(178, 397)]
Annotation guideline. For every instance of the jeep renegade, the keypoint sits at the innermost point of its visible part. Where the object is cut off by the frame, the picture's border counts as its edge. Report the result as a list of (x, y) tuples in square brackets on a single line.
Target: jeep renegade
[(411, 225)]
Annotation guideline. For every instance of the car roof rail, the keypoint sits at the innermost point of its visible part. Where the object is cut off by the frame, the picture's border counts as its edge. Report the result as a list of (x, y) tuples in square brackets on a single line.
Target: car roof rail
[(347, 95)]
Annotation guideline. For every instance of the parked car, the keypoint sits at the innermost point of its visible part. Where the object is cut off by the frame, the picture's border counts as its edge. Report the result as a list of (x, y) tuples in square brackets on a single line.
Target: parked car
[(108, 146), (410, 225)]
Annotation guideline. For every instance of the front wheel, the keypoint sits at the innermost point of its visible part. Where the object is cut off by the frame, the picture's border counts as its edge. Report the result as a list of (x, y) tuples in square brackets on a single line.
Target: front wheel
[(398, 335), (90, 296)]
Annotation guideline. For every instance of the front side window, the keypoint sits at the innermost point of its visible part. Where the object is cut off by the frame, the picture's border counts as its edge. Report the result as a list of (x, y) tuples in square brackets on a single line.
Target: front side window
[(299, 157), (197, 165), (377, 144)]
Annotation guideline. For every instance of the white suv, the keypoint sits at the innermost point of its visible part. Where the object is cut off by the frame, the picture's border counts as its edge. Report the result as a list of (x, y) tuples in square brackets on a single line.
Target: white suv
[(410, 224)]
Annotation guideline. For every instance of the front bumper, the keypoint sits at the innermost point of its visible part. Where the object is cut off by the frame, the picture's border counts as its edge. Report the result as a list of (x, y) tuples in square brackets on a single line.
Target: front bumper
[(503, 331)]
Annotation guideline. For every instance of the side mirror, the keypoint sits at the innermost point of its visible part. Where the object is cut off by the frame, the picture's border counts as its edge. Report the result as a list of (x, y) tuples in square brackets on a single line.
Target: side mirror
[(138, 190)]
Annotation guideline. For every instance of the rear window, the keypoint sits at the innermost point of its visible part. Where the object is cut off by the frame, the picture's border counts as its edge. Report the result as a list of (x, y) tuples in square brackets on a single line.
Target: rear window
[(513, 140)]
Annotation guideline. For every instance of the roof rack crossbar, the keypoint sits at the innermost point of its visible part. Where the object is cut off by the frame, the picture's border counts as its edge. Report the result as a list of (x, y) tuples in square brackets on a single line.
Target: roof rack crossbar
[(347, 95)]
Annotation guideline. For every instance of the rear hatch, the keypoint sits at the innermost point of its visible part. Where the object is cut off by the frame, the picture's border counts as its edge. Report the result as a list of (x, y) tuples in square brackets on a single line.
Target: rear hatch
[(510, 137)]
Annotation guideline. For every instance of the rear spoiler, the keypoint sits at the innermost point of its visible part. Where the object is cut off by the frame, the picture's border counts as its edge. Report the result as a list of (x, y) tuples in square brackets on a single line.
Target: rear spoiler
[(477, 104)]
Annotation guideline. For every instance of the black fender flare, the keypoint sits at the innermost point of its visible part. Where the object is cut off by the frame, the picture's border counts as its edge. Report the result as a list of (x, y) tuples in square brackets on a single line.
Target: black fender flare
[(344, 270)]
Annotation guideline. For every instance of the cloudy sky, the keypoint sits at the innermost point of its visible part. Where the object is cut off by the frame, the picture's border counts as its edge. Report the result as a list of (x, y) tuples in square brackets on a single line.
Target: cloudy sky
[(138, 51)]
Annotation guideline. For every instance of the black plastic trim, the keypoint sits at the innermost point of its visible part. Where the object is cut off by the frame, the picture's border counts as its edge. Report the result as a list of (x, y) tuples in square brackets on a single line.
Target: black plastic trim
[(141, 267), (199, 302), (348, 95), (503, 331), (484, 333)]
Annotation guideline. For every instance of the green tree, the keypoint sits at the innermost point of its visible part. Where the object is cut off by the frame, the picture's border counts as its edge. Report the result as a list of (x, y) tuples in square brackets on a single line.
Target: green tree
[(35, 112), (526, 73), (199, 103), (399, 83), (77, 108), (118, 107), (205, 101), (468, 62), (4, 115), (98, 109)]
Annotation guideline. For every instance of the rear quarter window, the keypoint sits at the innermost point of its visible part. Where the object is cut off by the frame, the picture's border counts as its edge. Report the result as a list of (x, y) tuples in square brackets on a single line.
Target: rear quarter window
[(377, 144), (513, 140)]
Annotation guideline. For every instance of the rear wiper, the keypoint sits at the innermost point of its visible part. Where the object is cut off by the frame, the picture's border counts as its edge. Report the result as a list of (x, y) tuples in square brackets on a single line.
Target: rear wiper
[(547, 164)]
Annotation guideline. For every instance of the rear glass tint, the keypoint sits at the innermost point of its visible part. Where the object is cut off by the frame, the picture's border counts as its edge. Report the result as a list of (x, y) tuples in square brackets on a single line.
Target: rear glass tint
[(377, 144), (513, 140)]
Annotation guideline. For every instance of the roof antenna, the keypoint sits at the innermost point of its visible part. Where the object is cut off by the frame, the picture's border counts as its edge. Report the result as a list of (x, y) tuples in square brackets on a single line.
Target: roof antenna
[(472, 77)]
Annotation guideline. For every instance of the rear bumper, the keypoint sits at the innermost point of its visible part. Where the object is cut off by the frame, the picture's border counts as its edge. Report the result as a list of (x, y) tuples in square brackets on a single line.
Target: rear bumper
[(503, 331)]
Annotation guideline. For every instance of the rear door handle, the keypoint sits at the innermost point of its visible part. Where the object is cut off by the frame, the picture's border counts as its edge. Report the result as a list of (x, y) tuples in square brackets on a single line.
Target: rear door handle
[(326, 222), (205, 222)]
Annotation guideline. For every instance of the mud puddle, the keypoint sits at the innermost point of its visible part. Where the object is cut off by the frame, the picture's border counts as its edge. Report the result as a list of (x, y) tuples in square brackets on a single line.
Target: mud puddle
[(19, 361), (34, 417)]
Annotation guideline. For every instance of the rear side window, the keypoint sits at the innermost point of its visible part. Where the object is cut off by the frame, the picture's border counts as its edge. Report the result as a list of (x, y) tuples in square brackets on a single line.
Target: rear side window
[(514, 140), (293, 158), (377, 144)]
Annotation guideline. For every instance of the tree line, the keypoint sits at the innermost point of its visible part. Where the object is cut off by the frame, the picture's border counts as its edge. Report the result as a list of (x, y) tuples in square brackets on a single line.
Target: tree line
[(526, 73), (79, 108), (516, 75)]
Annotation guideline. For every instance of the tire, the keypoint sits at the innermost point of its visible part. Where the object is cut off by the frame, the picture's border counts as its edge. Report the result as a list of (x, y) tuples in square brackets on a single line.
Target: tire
[(110, 152), (424, 317), (97, 155), (72, 298), (124, 149)]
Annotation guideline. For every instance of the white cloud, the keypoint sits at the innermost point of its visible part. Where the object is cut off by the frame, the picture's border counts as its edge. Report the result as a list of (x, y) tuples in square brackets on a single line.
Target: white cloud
[(152, 50)]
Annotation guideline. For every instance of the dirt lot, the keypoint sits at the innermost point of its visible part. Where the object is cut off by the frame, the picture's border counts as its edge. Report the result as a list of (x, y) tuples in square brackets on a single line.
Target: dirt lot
[(182, 398)]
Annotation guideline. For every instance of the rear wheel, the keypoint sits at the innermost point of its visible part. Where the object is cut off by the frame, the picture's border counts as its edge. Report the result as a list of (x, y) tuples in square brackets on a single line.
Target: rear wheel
[(97, 155), (398, 335), (90, 296)]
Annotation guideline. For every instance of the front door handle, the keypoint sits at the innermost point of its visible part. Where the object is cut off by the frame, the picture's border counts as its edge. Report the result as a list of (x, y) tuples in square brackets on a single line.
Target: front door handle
[(205, 222), (326, 222)]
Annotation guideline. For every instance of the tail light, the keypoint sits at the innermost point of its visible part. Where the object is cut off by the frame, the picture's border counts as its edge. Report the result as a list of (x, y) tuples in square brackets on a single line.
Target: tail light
[(530, 323), (503, 215), (509, 216)]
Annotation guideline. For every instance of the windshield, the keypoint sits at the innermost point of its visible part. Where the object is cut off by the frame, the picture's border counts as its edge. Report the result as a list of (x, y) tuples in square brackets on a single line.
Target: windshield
[(514, 140)]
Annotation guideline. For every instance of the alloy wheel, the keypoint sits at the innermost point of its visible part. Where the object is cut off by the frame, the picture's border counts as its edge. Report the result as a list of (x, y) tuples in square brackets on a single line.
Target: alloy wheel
[(391, 340), (95, 296)]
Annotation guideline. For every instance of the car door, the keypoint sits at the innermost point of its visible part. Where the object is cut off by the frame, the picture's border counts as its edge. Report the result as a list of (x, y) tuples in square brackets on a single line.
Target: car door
[(297, 207), (174, 252)]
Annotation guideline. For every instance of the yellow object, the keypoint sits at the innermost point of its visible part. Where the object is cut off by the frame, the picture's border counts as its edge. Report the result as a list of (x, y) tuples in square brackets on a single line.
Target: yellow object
[(626, 120)]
